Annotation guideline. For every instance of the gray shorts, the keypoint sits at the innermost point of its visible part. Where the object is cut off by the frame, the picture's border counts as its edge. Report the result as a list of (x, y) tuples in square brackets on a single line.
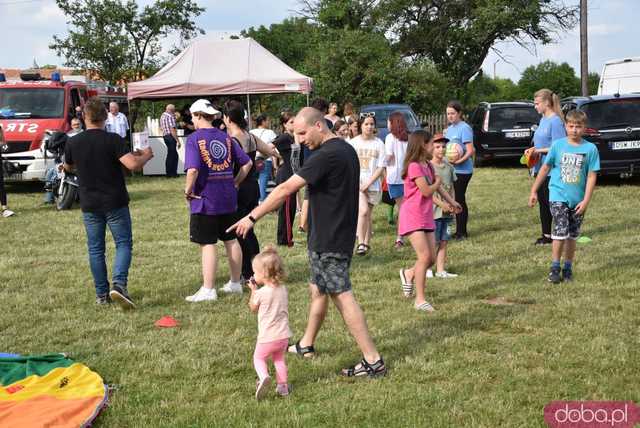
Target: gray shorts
[(330, 272), (566, 223)]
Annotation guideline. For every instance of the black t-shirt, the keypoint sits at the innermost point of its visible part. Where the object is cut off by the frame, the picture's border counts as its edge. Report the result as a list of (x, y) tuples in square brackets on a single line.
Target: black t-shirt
[(96, 156), (333, 177), (291, 156)]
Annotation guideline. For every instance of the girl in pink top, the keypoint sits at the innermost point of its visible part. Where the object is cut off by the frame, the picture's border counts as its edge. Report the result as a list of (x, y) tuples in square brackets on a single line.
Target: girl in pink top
[(416, 213), (271, 303)]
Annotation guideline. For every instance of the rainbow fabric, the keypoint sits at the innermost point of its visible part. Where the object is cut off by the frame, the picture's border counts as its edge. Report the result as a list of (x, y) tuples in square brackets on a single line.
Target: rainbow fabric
[(48, 390)]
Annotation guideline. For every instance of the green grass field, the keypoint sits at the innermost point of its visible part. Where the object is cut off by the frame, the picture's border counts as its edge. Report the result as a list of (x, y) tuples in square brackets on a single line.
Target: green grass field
[(468, 364)]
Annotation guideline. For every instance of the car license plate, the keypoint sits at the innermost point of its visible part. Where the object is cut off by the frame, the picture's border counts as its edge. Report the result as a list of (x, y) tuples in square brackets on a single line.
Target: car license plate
[(517, 134), (625, 145)]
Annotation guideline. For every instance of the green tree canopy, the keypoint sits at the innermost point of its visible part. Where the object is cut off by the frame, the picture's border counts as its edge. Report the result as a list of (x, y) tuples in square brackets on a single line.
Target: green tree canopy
[(560, 78), (116, 40)]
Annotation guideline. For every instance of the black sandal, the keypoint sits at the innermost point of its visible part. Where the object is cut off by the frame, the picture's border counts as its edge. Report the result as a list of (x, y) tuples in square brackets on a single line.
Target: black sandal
[(363, 368), (306, 352)]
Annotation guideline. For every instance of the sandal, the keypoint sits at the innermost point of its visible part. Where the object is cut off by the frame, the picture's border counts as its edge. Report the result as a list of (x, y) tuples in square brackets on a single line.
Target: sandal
[(398, 245), (425, 307), (363, 368), (306, 352), (407, 287), (361, 249)]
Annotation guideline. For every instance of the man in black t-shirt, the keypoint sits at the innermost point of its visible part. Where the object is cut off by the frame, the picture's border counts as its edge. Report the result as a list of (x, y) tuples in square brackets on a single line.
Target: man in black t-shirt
[(97, 157), (333, 177)]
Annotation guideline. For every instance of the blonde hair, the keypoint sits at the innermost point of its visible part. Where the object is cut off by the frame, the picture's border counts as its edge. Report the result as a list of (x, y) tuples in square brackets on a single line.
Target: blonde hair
[(272, 265), (577, 116), (552, 98)]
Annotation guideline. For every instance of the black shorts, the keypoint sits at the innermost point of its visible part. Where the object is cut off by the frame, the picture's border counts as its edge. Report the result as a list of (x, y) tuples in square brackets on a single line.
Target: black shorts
[(207, 229)]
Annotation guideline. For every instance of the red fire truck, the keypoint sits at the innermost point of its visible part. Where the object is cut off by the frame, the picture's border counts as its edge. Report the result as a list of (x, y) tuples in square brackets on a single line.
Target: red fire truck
[(32, 109)]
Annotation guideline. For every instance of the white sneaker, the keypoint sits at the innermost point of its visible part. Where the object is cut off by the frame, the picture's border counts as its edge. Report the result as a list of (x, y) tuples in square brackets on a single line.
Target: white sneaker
[(232, 287), (7, 213), (203, 295), (429, 273), (445, 274)]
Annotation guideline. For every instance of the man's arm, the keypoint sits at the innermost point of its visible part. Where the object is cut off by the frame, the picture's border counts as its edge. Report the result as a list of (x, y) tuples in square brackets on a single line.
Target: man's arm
[(273, 201), (134, 162)]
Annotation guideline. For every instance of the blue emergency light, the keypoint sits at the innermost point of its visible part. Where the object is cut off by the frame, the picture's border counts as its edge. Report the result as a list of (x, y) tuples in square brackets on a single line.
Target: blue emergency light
[(55, 76), (2, 77)]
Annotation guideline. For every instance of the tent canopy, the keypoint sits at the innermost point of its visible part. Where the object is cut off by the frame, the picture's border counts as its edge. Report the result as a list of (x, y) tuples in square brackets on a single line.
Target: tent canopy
[(221, 67)]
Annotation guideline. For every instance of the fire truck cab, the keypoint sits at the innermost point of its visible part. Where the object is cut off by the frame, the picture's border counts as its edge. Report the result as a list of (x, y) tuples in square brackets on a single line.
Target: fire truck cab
[(31, 110)]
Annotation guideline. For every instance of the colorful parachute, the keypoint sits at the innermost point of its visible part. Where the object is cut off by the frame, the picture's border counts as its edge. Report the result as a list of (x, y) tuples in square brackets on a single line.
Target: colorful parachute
[(48, 390)]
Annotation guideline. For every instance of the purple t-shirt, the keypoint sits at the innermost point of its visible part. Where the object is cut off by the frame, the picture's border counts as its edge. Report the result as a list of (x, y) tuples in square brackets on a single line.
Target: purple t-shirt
[(213, 153)]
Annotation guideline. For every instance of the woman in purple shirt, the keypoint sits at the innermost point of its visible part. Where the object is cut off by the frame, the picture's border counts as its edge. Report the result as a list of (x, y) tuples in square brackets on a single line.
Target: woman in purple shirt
[(211, 190)]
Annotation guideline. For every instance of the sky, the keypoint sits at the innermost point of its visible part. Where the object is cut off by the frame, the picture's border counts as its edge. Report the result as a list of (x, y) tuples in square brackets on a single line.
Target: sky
[(28, 27)]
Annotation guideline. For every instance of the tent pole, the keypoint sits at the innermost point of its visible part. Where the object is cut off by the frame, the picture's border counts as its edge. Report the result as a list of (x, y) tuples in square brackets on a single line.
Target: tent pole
[(249, 111), (307, 99)]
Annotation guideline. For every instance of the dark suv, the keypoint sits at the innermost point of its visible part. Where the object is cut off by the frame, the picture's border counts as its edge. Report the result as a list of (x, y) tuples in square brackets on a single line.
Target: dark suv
[(613, 125), (502, 130), (382, 112)]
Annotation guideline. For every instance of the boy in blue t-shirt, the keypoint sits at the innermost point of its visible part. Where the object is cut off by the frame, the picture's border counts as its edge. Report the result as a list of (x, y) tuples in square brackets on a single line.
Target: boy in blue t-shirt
[(573, 164)]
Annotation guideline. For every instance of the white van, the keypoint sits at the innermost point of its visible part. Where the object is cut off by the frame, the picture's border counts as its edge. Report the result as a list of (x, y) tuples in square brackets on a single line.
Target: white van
[(620, 76)]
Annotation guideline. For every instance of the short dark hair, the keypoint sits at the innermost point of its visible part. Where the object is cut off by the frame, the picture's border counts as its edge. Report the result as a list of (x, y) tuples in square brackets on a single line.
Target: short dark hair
[(234, 110), (320, 104), (94, 110), (261, 118)]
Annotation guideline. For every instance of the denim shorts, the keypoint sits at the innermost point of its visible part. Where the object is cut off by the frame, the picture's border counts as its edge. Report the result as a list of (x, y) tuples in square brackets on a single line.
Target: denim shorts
[(566, 223), (442, 229), (330, 272), (396, 190)]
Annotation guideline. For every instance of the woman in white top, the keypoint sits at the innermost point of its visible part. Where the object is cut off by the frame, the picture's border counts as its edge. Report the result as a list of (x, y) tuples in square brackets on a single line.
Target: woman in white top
[(333, 113), (371, 154), (396, 147), (264, 165)]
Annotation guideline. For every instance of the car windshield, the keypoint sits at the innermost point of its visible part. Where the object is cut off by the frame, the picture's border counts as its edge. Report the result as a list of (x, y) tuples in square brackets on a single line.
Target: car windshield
[(617, 113), (513, 117), (383, 114), (38, 103)]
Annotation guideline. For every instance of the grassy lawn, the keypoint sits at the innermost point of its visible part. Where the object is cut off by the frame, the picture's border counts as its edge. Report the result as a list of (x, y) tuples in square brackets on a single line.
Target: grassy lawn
[(468, 364)]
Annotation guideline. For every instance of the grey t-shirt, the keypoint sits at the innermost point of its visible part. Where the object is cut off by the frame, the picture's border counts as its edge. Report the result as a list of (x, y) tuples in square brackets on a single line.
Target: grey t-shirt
[(447, 174)]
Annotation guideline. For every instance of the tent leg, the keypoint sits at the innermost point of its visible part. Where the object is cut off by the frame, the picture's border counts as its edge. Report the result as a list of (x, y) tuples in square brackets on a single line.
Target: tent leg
[(249, 110)]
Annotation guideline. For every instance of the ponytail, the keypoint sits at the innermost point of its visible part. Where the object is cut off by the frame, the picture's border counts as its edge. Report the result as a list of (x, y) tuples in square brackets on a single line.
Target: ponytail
[(552, 98)]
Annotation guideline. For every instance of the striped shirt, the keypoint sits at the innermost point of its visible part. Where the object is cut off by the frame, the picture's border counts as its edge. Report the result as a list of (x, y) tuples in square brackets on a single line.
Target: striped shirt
[(167, 121)]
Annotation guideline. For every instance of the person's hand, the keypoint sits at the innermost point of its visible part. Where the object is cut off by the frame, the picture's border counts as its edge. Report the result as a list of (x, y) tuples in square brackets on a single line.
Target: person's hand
[(253, 286), (530, 151), (242, 227), (189, 195), (147, 152), (364, 189), (446, 208), (60, 168), (581, 208), (533, 198), (437, 181), (457, 208)]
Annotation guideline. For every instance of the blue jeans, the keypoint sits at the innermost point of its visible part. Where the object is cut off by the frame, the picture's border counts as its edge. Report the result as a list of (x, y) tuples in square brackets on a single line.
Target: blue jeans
[(49, 178), (119, 222), (263, 178)]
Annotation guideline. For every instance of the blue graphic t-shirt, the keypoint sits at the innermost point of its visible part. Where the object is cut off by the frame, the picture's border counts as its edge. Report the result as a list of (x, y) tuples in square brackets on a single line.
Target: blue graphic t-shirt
[(570, 164), (461, 133), (549, 130), (213, 154)]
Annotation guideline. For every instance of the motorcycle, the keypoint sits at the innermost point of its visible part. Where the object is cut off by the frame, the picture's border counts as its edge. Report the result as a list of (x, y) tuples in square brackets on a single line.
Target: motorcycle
[(64, 186)]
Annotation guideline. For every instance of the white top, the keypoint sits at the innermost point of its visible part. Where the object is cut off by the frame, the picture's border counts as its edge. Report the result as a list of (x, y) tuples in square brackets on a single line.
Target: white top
[(266, 135), (398, 149), (117, 124), (371, 154)]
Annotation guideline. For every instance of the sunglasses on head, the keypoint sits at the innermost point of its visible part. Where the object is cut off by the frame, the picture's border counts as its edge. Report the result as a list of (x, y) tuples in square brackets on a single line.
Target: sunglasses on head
[(368, 114)]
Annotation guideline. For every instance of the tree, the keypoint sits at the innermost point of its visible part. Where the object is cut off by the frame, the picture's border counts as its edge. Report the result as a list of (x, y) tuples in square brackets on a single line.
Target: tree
[(560, 78), (340, 14), (116, 40), (458, 34), (593, 83)]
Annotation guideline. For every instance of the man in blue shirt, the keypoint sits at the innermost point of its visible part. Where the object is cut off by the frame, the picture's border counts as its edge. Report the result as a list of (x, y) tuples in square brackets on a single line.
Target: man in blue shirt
[(573, 164)]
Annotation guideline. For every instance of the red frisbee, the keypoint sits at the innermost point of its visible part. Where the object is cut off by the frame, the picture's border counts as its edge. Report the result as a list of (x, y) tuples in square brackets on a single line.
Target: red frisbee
[(166, 322)]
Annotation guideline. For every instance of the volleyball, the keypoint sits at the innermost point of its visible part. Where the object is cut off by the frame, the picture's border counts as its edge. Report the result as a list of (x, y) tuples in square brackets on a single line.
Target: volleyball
[(453, 151)]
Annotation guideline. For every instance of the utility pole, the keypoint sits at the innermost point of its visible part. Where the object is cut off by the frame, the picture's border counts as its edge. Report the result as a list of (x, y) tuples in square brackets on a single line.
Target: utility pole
[(584, 60)]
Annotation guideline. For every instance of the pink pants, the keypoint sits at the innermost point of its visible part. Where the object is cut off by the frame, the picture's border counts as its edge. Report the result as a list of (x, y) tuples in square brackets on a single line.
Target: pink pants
[(276, 351)]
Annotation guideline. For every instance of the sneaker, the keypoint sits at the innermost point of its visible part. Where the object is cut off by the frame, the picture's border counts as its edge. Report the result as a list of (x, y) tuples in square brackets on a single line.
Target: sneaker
[(261, 387), (445, 274), (398, 245), (554, 275), (567, 275), (202, 295), (283, 389), (103, 299), (119, 294), (429, 273), (232, 287), (7, 213), (543, 240)]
